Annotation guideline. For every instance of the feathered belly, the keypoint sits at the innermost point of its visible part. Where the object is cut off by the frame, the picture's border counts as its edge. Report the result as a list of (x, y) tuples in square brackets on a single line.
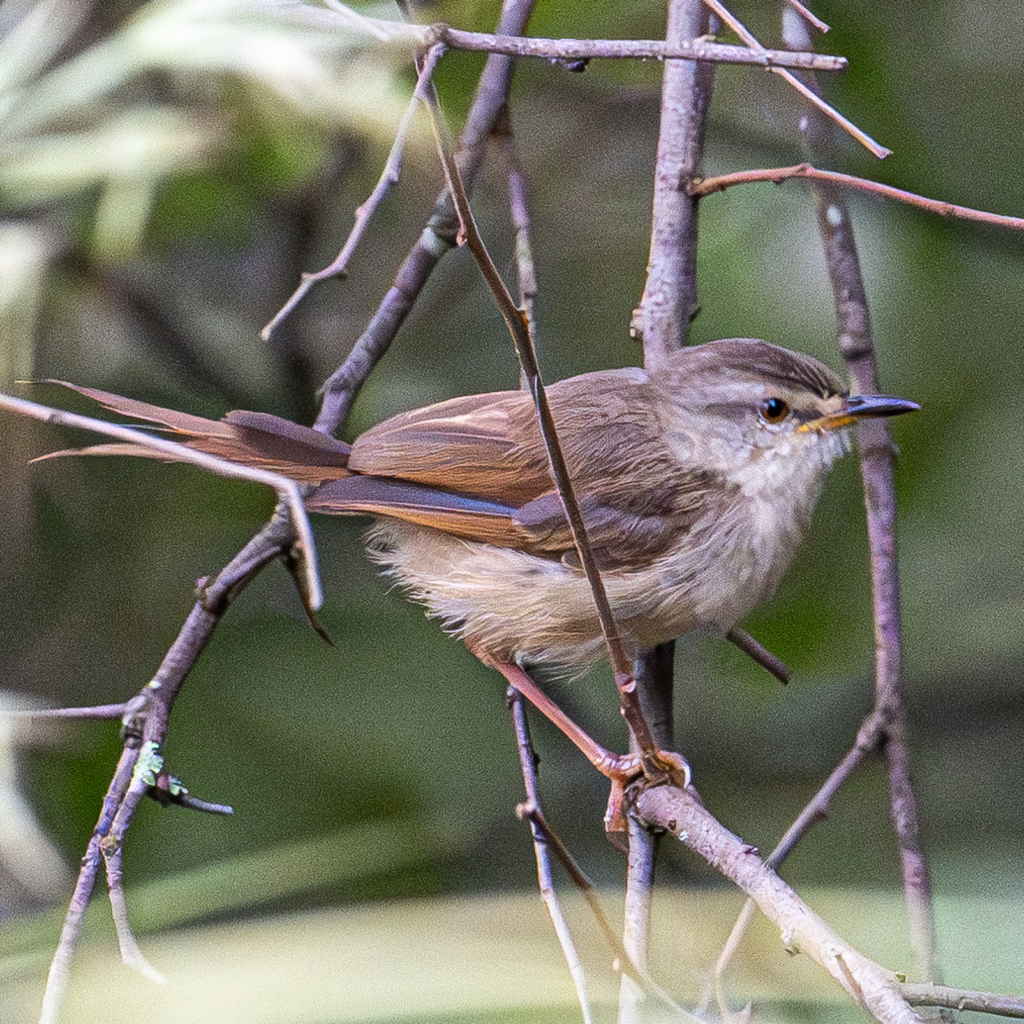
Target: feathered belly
[(535, 611)]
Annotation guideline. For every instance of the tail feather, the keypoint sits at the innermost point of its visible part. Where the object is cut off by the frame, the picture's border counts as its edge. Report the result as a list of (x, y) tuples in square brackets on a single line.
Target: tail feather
[(248, 438)]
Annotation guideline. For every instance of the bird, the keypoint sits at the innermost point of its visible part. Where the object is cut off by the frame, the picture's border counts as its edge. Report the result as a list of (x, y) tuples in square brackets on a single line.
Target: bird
[(696, 481)]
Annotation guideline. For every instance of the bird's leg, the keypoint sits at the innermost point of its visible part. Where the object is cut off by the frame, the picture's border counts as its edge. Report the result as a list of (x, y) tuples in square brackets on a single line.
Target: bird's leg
[(621, 769)]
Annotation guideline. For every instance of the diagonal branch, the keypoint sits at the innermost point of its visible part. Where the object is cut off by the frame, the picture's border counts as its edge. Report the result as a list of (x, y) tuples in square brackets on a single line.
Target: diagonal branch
[(809, 93), (438, 237), (516, 321), (681, 813), (338, 267)]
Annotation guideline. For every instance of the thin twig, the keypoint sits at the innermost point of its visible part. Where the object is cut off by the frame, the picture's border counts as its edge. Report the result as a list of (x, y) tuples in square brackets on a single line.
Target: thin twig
[(531, 811), (758, 652), (60, 964), (869, 737), (439, 235), (519, 214), (338, 267), (100, 712), (808, 16), (515, 320), (662, 321), (809, 94), (669, 302), (636, 923), (692, 49), (682, 813), (856, 342), (776, 175), (963, 999), (508, 40), (547, 841)]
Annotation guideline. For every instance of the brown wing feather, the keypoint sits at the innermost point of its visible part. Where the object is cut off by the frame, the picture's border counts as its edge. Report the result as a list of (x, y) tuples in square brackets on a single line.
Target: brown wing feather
[(484, 445), (635, 495), (472, 518)]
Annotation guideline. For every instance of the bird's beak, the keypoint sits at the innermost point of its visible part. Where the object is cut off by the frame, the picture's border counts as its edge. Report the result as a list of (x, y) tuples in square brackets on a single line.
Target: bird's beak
[(858, 407)]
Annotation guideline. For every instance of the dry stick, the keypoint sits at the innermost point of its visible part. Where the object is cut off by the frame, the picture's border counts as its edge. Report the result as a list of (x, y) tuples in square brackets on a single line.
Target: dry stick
[(100, 712), (60, 965), (692, 49), (532, 812), (877, 457), (662, 322), (776, 175), (545, 840), (143, 777), (519, 214), (288, 491), (338, 267), (438, 237), (145, 719), (808, 93), (756, 651), (808, 16), (963, 999), (857, 346), (278, 535), (637, 915), (872, 986), (817, 808), (515, 320), (509, 40)]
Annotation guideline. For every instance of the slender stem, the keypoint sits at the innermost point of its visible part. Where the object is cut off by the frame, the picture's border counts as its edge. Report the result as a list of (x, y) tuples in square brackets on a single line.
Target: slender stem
[(388, 179), (519, 329), (440, 234), (682, 49), (964, 999), (669, 302), (812, 95), (60, 965), (532, 812), (877, 458), (776, 175), (288, 490)]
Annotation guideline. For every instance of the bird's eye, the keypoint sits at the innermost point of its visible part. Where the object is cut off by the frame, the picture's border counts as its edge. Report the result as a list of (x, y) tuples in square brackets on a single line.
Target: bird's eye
[(774, 410)]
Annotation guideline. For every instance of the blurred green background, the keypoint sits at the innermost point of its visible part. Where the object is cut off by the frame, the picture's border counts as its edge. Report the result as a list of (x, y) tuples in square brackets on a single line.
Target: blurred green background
[(167, 170)]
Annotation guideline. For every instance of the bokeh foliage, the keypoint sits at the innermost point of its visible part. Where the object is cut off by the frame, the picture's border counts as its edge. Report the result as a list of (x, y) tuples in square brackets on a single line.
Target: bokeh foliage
[(167, 170)]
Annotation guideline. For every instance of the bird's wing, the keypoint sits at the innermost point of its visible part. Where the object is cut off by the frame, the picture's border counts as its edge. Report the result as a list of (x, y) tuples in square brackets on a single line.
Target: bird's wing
[(486, 446), (480, 471)]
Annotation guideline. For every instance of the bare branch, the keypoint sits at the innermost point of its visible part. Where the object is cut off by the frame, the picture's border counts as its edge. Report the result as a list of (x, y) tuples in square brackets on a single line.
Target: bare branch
[(437, 238), (691, 49), (720, 183), (669, 302), (759, 653), (808, 16), (856, 342), (518, 327), (543, 840), (809, 94), (682, 813), (388, 178), (963, 999)]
